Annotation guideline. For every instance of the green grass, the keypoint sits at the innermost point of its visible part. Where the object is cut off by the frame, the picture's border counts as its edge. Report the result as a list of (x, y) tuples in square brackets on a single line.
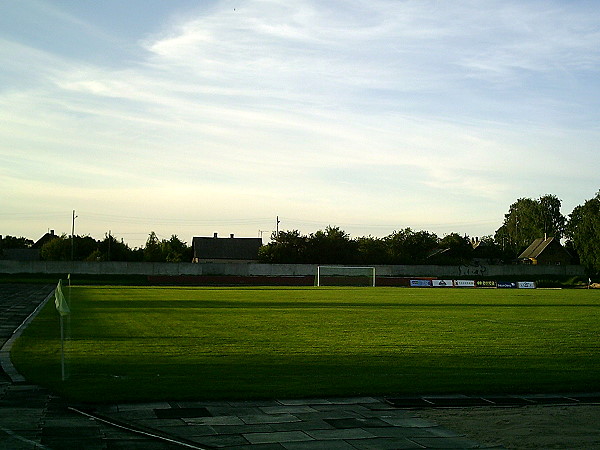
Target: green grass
[(141, 344)]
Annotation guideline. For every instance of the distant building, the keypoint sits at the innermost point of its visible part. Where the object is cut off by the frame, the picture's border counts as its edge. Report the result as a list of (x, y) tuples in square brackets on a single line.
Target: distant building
[(28, 254), (546, 251), (49, 236), (231, 249)]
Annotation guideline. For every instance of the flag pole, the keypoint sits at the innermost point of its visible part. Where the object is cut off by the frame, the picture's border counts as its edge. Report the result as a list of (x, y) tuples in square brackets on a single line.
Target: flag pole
[(63, 310), (62, 349)]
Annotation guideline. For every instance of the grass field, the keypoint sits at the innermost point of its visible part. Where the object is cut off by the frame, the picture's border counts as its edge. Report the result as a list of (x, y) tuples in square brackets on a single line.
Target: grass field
[(142, 344)]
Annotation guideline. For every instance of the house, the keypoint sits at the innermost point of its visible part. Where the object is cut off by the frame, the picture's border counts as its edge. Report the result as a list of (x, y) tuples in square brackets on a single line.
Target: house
[(49, 236), (231, 249), (27, 254), (546, 251)]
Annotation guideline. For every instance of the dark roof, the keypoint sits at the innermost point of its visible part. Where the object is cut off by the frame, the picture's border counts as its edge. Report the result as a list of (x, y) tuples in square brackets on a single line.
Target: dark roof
[(44, 239), (538, 246), (226, 248)]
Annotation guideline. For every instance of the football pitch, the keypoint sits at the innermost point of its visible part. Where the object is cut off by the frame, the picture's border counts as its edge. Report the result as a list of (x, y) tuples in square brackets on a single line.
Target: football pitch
[(175, 343)]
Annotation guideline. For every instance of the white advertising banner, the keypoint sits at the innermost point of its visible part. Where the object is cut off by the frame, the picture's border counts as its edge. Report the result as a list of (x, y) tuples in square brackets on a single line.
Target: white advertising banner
[(420, 283), (442, 283), (526, 284), (464, 283)]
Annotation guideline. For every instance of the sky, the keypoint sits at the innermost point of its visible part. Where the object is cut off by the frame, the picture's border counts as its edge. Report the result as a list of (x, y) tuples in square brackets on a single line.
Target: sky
[(195, 117)]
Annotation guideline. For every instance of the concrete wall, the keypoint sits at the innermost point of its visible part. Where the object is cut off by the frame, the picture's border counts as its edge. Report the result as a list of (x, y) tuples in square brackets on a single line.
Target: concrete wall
[(244, 269)]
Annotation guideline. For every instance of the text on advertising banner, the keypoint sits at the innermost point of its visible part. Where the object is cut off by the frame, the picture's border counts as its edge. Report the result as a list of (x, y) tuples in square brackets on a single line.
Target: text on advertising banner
[(464, 283)]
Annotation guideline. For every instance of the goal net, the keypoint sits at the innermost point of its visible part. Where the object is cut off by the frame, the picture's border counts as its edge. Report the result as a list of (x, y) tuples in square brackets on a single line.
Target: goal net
[(345, 276)]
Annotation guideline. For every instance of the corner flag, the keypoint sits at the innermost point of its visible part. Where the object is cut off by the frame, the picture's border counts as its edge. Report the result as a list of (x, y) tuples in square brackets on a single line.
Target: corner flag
[(60, 302)]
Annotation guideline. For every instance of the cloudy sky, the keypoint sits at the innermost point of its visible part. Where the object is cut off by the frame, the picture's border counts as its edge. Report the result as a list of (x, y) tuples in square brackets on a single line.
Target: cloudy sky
[(193, 117)]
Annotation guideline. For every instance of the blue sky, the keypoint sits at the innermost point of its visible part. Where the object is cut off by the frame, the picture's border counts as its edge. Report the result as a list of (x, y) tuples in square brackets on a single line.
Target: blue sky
[(189, 118)]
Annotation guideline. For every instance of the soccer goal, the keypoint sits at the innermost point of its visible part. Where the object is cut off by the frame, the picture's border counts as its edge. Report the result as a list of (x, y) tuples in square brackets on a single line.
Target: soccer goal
[(345, 276)]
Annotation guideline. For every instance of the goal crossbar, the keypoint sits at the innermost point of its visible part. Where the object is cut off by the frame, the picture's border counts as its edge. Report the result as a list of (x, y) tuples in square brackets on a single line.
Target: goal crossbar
[(343, 271)]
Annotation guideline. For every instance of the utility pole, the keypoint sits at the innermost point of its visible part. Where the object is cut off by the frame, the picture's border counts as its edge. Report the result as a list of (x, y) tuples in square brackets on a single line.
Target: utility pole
[(73, 237), (277, 228)]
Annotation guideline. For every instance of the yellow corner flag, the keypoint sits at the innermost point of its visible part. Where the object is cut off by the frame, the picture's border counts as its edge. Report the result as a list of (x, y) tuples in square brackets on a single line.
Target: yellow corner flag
[(60, 302)]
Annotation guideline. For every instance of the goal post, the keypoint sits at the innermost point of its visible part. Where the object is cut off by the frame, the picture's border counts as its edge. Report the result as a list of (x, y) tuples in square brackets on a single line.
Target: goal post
[(345, 276)]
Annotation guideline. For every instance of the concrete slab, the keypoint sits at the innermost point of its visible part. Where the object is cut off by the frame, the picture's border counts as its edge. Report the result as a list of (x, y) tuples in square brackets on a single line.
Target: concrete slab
[(350, 433), (445, 443), (287, 409), (319, 445), (224, 440), (316, 424), (305, 401), (142, 406), (180, 413), (269, 418), (357, 423), (218, 420), (277, 437), (386, 444), (408, 422)]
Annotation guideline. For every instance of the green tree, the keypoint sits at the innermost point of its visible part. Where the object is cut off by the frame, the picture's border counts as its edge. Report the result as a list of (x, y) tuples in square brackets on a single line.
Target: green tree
[(529, 219), (176, 250), (287, 247), (331, 246), (372, 250), (488, 250), (15, 242), (409, 247), (458, 250), (112, 249), (58, 249), (153, 251), (96, 255), (583, 231), (84, 247)]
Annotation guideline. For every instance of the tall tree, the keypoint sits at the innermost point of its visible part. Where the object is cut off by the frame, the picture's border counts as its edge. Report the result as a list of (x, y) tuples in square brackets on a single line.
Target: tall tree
[(372, 250), (331, 246), (176, 250), (583, 230), (112, 249), (153, 249), (409, 247), (459, 249), (58, 249), (529, 219), (287, 247)]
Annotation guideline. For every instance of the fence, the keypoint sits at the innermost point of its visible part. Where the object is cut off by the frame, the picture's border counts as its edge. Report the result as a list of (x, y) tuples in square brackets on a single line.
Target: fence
[(279, 270)]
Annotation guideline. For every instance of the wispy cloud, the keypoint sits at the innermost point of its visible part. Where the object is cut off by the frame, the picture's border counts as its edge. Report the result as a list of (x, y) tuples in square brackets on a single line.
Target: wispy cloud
[(311, 109)]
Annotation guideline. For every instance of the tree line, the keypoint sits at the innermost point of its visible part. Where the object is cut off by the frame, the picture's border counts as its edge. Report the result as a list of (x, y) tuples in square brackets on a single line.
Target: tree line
[(527, 219), (86, 248)]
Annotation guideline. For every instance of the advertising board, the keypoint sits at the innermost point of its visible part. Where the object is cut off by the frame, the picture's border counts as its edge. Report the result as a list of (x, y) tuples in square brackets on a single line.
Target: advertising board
[(442, 283), (507, 285), (420, 283), (526, 285), (485, 284), (464, 283)]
